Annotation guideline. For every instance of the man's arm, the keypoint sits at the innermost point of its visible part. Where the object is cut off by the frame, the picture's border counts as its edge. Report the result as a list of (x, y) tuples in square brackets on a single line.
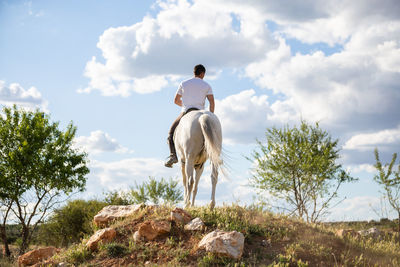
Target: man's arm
[(212, 102), (178, 100)]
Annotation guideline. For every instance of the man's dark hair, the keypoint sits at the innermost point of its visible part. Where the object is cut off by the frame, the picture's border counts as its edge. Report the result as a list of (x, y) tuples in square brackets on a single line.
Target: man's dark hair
[(199, 69)]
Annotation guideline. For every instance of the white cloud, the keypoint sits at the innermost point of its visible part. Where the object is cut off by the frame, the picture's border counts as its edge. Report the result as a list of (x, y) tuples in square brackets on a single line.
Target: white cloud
[(143, 57), (362, 168), (353, 86), (334, 22), (124, 173), (368, 141), (16, 94), (243, 116), (98, 142), (356, 208)]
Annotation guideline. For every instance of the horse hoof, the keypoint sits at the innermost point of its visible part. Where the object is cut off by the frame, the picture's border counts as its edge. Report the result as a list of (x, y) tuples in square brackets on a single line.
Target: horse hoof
[(212, 205)]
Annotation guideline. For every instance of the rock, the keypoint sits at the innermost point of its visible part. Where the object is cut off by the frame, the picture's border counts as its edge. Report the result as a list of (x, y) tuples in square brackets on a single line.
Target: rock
[(180, 216), (223, 243), (113, 212), (371, 232), (137, 237), (195, 225), (105, 235), (347, 232), (35, 256), (65, 264), (152, 229)]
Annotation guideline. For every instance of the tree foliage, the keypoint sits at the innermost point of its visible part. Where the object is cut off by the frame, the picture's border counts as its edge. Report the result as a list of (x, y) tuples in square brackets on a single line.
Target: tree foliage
[(157, 192), (116, 197), (153, 190), (38, 164), (299, 165), (389, 179)]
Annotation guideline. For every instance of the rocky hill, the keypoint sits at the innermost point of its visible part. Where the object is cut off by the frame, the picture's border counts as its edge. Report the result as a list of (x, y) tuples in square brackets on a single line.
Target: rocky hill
[(139, 235)]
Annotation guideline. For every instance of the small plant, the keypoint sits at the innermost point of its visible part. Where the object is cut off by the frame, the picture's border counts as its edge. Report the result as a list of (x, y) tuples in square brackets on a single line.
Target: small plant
[(4, 262), (286, 261), (78, 254), (183, 255), (213, 260), (170, 242), (115, 250)]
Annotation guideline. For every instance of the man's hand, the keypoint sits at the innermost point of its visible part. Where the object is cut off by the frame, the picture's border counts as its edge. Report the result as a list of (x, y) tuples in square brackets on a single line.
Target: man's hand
[(178, 100), (212, 103)]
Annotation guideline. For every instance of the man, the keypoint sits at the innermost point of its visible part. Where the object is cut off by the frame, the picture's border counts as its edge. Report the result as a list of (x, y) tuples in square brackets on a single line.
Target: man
[(190, 96)]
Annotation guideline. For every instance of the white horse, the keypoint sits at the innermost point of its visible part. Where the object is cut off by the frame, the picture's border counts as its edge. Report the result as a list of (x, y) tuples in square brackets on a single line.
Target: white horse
[(198, 137)]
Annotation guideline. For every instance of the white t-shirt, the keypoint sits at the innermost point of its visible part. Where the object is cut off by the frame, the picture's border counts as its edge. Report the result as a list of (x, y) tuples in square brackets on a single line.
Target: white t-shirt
[(194, 92)]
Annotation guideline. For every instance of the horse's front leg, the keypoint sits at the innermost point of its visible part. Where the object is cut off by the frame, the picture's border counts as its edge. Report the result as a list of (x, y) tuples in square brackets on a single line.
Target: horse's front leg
[(214, 180), (189, 181), (199, 171)]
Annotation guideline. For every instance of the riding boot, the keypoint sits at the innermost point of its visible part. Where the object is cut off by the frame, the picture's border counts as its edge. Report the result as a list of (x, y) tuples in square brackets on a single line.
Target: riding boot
[(172, 157)]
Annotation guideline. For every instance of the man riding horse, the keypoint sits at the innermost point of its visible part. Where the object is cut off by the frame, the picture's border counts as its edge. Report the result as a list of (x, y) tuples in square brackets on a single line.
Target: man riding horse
[(190, 95)]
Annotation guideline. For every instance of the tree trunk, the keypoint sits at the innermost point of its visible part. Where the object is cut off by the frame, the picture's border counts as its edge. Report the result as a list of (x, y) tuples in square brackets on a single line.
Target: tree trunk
[(6, 249), (25, 240), (398, 225)]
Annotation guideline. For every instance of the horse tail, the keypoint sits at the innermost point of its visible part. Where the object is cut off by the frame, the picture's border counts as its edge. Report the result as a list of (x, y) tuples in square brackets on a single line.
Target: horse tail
[(212, 133)]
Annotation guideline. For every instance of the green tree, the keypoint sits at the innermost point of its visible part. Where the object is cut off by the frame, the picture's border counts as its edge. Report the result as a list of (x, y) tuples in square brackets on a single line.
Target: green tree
[(155, 191), (299, 165), (115, 197), (390, 181), (5, 209), (70, 223), (38, 165)]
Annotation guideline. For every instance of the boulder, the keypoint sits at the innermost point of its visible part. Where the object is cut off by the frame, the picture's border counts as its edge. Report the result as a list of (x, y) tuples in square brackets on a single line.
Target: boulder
[(180, 216), (113, 212), (35, 256), (223, 243), (195, 225), (105, 235), (150, 230), (347, 232)]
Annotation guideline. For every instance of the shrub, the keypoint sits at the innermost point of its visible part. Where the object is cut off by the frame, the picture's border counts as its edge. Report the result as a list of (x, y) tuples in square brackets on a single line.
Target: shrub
[(155, 191), (115, 250), (70, 223), (78, 254), (114, 197)]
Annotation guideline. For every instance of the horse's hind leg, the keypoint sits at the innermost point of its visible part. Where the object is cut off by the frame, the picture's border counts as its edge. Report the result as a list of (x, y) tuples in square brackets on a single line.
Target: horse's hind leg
[(189, 180), (184, 180), (199, 171), (214, 180)]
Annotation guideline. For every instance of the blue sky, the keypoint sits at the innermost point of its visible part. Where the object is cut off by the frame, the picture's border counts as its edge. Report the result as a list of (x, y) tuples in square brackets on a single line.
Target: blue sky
[(113, 67)]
